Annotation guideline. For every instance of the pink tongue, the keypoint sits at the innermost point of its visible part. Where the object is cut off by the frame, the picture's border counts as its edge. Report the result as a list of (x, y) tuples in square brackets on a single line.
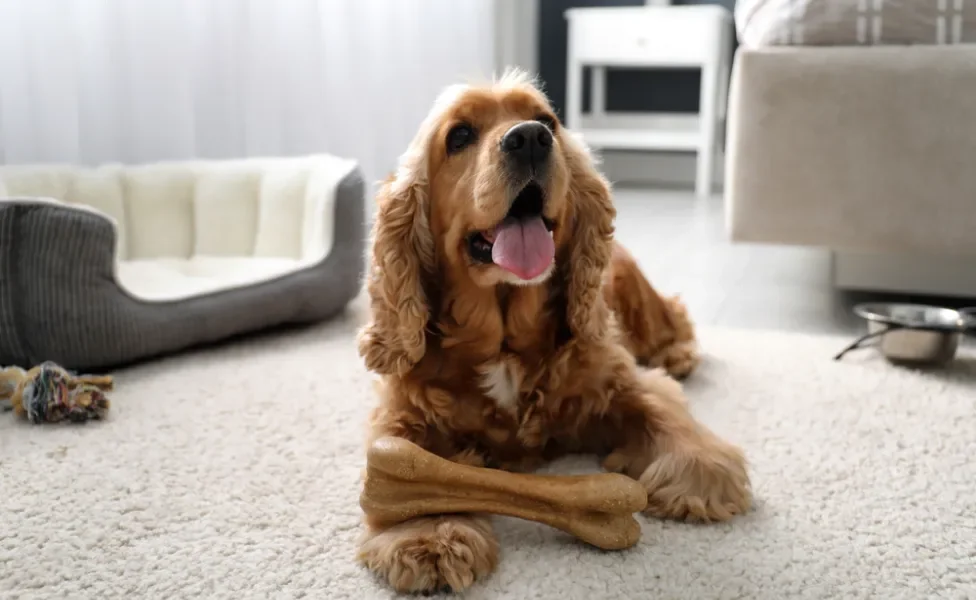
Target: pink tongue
[(523, 247)]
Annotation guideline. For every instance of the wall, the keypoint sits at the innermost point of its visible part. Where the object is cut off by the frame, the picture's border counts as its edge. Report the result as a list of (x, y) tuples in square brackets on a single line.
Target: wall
[(516, 30), (674, 90)]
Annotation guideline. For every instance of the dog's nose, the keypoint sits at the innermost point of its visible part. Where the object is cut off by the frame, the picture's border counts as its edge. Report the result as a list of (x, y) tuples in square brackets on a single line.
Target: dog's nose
[(528, 144)]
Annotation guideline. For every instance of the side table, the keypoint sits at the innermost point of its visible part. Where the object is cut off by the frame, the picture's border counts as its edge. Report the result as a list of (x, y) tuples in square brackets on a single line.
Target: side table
[(651, 37)]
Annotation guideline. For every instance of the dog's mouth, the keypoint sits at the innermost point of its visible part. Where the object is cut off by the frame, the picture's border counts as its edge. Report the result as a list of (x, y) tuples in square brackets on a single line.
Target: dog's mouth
[(522, 242)]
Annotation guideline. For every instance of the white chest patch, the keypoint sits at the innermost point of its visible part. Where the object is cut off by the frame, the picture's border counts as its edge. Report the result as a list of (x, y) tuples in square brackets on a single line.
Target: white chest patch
[(501, 383)]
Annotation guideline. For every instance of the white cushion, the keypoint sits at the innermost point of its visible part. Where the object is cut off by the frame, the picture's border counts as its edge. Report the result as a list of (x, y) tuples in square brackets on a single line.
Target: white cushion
[(190, 228), (173, 279)]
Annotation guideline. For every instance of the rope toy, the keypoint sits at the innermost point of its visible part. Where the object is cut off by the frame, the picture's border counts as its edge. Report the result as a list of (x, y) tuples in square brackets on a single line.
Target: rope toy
[(48, 393)]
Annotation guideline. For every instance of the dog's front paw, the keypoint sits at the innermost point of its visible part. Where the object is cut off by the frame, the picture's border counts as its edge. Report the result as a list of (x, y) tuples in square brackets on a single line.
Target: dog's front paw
[(432, 554), (706, 483)]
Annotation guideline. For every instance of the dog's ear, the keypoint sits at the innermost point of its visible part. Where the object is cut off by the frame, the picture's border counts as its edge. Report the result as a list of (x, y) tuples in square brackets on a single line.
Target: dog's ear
[(401, 257), (593, 215)]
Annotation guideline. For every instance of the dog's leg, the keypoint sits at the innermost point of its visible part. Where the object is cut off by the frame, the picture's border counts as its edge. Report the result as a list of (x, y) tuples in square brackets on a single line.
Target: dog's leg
[(658, 331), (428, 554), (688, 471), (679, 356)]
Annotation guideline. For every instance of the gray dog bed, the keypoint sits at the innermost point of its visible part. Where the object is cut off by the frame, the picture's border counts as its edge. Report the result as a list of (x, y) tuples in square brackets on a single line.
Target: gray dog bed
[(108, 266)]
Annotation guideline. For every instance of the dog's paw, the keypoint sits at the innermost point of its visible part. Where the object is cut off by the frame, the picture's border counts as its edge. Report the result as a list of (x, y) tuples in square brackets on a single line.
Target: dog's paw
[(679, 359), (432, 554), (706, 483)]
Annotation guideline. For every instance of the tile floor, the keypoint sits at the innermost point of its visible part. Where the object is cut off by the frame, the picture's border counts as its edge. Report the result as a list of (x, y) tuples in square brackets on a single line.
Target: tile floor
[(681, 243)]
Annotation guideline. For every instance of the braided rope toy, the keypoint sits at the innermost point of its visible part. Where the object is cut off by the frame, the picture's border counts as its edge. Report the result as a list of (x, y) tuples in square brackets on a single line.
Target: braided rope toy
[(48, 393)]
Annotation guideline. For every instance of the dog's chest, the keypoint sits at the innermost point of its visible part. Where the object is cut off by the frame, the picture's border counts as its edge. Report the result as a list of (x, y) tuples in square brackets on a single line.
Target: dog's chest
[(502, 381)]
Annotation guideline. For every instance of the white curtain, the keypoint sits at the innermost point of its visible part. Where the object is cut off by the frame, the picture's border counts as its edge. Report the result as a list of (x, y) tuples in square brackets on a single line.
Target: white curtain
[(94, 81)]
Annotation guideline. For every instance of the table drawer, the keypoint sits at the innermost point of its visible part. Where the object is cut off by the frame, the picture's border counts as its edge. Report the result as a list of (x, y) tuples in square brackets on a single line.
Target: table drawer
[(646, 35)]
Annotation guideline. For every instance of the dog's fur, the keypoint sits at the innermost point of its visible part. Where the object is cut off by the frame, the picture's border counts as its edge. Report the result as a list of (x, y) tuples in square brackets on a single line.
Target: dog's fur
[(485, 369)]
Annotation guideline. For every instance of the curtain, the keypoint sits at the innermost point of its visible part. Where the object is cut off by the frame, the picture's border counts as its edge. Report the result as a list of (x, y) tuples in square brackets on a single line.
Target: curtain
[(94, 81)]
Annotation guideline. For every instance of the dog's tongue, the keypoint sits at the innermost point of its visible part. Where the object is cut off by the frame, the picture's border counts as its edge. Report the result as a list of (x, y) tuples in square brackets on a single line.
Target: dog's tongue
[(523, 247)]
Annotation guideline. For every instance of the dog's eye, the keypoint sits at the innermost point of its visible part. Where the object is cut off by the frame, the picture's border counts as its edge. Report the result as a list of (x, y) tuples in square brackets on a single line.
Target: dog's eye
[(459, 137), (548, 120)]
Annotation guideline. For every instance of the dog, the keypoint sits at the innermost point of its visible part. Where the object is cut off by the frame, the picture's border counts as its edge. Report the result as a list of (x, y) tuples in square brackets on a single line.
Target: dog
[(509, 328)]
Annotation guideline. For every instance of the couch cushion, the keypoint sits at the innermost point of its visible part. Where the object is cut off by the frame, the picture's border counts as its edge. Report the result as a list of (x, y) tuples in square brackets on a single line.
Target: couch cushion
[(763, 23), (823, 152)]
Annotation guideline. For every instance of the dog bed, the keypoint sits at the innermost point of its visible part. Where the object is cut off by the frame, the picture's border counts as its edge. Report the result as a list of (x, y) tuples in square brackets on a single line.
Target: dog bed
[(109, 265)]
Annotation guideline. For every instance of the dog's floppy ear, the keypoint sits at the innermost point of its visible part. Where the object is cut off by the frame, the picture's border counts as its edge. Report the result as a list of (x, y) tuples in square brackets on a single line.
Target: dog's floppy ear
[(402, 254), (593, 215)]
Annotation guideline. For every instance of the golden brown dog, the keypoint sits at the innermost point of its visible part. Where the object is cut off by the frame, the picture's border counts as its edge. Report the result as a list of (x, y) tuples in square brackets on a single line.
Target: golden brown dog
[(509, 329)]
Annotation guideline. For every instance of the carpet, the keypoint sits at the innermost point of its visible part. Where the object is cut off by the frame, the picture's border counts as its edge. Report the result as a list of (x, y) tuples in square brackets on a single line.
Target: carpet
[(231, 472)]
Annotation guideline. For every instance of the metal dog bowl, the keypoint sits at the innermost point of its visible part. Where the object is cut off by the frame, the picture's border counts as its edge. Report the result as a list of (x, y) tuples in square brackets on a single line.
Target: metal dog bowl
[(914, 333)]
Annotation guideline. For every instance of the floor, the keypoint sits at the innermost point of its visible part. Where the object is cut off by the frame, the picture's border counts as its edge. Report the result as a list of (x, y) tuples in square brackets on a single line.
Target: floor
[(234, 472), (681, 243)]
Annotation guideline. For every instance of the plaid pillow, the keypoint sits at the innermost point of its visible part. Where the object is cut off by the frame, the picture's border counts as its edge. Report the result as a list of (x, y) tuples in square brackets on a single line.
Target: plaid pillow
[(855, 22)]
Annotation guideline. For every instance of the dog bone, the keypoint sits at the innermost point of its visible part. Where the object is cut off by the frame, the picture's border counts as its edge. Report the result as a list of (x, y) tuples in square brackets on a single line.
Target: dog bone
[(404, 481)]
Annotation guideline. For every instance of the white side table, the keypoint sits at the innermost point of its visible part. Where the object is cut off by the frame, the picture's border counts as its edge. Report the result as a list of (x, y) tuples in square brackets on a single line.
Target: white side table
[(651, 37)]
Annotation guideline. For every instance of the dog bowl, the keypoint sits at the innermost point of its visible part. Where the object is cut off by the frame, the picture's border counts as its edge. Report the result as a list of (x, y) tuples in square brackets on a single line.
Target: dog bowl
[(914, 333)]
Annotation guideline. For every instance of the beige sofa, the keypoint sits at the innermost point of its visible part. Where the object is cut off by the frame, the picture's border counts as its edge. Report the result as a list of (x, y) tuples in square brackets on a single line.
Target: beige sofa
[(856, 131)]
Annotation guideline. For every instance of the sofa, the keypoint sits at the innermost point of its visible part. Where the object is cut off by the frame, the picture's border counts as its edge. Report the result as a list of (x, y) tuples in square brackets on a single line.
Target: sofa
[(852, 127)]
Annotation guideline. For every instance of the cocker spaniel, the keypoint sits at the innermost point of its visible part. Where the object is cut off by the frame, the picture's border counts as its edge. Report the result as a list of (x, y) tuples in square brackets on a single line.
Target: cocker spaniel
[(509, 328)]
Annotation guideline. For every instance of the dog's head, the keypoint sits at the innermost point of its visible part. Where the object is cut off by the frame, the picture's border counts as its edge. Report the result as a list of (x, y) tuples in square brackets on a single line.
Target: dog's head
[(492, 191)]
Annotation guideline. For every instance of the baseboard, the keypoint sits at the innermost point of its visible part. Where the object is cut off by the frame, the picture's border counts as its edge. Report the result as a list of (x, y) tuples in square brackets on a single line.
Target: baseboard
[(657, 169), (913, 274)]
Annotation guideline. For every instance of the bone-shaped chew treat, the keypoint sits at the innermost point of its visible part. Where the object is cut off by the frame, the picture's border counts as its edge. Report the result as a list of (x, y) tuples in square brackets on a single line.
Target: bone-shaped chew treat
[(404, 481)]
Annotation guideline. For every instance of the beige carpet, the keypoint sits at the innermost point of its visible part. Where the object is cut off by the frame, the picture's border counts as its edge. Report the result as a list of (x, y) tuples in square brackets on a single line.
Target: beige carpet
[(232, 473)]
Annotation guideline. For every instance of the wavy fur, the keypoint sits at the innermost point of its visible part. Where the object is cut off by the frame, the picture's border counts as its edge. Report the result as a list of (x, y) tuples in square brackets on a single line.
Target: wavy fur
[(493, 372)]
